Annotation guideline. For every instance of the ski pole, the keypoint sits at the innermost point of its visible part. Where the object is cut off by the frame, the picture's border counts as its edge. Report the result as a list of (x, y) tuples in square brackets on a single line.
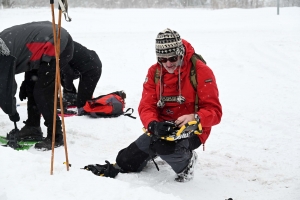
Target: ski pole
[(61, 8), (55, 89), (57, 85), (16, 128)]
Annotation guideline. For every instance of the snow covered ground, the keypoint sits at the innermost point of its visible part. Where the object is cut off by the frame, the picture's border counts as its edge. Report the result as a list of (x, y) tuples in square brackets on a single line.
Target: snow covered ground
[(254, 153)]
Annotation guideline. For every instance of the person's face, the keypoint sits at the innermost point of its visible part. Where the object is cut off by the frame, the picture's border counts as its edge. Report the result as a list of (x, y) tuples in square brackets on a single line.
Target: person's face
[(170, 63)]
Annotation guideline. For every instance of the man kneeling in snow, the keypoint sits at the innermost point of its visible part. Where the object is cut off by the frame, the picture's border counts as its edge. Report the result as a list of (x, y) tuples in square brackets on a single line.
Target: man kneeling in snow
[(169, 102)]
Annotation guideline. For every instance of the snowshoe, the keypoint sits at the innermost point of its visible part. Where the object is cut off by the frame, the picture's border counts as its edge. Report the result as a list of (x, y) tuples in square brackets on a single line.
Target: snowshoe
[(12, 139)]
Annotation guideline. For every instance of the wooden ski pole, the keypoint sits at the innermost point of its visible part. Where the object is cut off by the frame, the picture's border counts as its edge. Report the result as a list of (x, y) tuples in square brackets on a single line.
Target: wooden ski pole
[(60, 94), (57, 87)]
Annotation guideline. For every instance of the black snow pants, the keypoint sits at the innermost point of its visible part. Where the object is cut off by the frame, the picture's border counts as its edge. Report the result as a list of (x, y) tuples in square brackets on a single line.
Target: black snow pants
[(177, 154), (89, 74)]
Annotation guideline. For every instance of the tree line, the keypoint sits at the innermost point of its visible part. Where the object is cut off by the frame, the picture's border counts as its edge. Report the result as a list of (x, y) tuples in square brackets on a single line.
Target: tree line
[(212, 4)]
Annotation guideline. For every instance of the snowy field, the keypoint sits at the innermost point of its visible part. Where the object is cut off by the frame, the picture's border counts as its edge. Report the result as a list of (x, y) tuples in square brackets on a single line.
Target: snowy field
[(254, 153)]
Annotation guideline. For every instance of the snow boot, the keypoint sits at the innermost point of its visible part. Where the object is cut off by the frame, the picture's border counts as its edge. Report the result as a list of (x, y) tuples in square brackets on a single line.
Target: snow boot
[(188, 173), (28, 133), (46, 144), (70, 99)]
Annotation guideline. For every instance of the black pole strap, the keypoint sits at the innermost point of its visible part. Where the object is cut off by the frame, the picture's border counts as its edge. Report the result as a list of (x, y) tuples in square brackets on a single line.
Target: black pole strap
[(152, 153), (129, 113), (16, 126)]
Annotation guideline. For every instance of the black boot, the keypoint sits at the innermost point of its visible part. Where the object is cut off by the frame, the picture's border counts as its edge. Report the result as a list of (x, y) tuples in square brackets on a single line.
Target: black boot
[(30, 133), (70, 99), (46, 144)]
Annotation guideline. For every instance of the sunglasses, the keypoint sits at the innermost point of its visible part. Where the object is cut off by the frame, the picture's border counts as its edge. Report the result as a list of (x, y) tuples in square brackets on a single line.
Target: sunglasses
[(171, 59)]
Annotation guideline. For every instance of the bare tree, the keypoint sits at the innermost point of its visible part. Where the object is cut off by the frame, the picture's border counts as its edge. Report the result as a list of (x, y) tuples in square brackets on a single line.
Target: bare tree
[(6, 3)]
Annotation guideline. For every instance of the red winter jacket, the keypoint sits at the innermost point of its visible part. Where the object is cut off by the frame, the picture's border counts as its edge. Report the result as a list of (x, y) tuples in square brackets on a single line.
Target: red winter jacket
[(210, 109)]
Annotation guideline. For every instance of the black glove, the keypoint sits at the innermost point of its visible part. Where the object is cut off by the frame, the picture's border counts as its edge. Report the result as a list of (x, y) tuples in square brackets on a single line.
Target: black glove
[(76, 75), (67, 78), (23, 92), (107, 170), (161, 128), (15, 117), (81, 111), (68, 85)]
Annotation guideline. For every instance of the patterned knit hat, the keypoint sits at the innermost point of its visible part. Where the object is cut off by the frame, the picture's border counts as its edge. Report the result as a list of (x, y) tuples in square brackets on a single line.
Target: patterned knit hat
[(168, 43)]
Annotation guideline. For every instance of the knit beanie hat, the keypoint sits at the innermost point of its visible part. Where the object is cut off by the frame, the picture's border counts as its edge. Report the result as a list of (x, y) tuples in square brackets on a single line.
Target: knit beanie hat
[(168, 43)]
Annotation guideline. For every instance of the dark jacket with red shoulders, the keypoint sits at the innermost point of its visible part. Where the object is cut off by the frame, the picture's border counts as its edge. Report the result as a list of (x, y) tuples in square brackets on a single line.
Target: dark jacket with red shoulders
[(22, 48), (210, 109)]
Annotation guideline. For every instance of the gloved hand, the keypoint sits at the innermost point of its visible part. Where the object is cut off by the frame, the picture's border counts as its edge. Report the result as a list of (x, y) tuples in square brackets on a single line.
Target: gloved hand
[(161, 128), (76, 75), (106, 170), (68, 83), (67, 78), (80, 111), (23, 92), (15, 117)]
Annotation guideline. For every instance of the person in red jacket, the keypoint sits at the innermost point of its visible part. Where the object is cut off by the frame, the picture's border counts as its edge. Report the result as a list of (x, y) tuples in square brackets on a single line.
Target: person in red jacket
[(169, 104)]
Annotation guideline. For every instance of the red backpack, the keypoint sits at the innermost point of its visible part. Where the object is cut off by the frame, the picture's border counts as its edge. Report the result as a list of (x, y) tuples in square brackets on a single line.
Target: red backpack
[(108, 105)]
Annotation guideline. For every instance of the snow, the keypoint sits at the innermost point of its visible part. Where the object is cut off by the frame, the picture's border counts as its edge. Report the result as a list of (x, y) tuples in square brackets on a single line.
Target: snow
[(253, 153)]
